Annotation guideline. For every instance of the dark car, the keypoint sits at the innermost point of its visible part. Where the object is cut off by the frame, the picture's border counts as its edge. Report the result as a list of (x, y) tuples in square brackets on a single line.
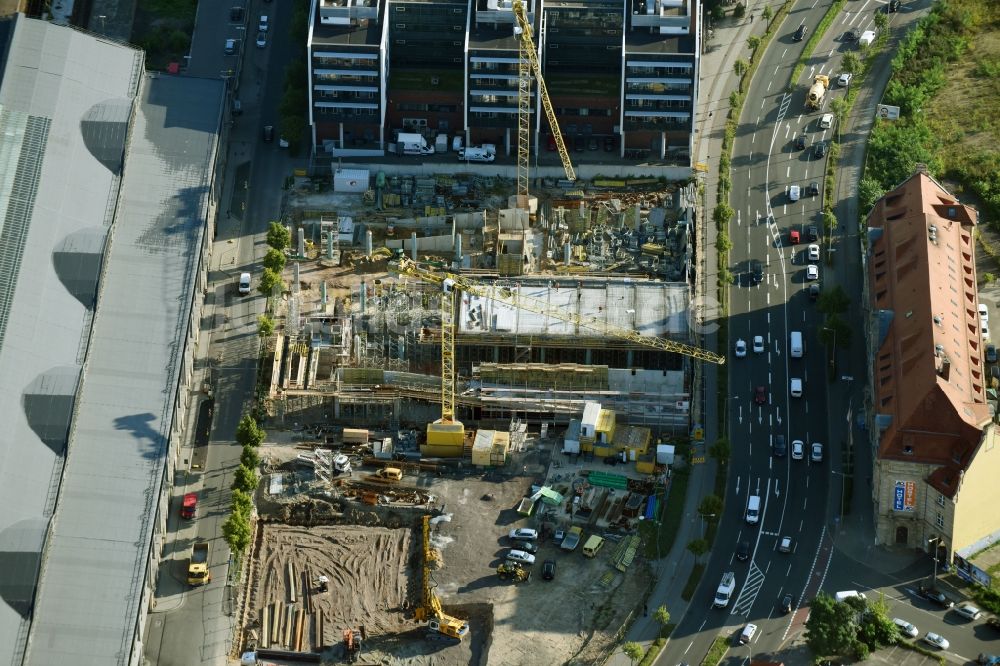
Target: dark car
[(892, 7), (800, 33), (801, 141), (592, 143), (609, 144), (760, 395), (936, 595), (579, 144), (991, 353), (756, 272), (780, 449), (526, 546), (813, 291), (612, 460), (549, 569), (813, 189), (812, 233), (820, 149), (993, 622), (851, 36), (236, 14), (743, 551), (786, 604), (268, 133)]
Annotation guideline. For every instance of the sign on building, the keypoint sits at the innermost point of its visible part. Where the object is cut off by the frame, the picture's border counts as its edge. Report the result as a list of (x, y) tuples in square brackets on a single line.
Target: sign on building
[(905, 497), (886, 112)]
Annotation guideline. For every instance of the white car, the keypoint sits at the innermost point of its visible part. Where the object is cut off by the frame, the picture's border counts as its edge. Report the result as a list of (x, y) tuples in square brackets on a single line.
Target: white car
[(758, 344), (262, 26), (905, 628), (813, 252), (812, 272), (524, 533), (785, 545), (244, 287), (937, 640), (741, 348), (798, 449), (826, 121), (845, 79), (816, 455), (261, 39), (984, 313), (968, 611), (794, 193), (520, 556)]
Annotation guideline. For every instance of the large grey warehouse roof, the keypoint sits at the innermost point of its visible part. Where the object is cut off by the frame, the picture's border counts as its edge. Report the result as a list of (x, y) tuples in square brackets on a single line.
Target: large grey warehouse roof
[(65, 101), (96, 559)]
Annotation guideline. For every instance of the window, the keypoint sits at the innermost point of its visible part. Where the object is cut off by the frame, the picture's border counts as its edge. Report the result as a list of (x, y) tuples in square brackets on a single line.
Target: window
[(939, 521), (940, 499), (400, 26)]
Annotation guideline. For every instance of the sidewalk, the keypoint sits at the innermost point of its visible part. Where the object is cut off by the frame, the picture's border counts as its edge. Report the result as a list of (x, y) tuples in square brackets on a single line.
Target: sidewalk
[(718, 80)]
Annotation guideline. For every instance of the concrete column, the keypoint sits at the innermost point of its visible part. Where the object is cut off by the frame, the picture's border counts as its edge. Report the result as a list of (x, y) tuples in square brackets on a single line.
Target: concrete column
[(413, 245), (302, 242)]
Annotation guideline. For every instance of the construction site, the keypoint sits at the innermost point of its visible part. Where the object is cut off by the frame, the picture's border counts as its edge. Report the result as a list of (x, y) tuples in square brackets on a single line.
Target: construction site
[(456, 356)]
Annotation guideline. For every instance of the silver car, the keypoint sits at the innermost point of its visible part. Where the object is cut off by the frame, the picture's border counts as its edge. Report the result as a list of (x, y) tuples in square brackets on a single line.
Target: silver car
[(520, 556), (937, 640), (905, 628)]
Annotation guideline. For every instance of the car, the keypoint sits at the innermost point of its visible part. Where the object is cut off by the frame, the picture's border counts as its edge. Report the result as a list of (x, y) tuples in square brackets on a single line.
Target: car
[(559, 536), (819, 150), (526, 546), (845, 79), (816, 452), (984, 328), (236, 15), (813, 252), (743, 551), (268, 133), (741, 348), (786, 603), (780, 449), (798, 449), (935, 595), (800, 33), (851, 36), (785, 545), (987, 659), (609, 144), (520, 556), (261, 39), (794, 237), (993, 622), (905, 628), (812, 272), (524, 533), (892, 7), (579, 143), (758, 344), (812, 233), (263, 24), (813, 291), (611, 460), (592, 143), (795, 387), (937, 640), (794, 193), (826, 121), (814, 189), (968, 611), (801, 141), (244, 285), (760, 395), (549, 569), (984, 312), (748, 633), (230, 47), (756, 271)]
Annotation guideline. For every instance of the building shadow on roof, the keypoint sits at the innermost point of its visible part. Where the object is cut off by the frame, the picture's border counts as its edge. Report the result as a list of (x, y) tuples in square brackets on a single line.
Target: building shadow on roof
[(139, 425)]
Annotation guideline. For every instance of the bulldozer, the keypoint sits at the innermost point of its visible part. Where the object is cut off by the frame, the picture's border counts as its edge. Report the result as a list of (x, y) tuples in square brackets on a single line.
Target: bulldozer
[(515, 572)]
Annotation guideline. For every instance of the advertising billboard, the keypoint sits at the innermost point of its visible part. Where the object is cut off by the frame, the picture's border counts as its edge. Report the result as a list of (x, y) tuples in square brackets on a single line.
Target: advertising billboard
[(905, 497)]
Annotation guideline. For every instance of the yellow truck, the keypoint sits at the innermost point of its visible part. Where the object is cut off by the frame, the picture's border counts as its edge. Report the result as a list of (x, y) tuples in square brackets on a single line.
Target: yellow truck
[(198, 573), (593, 546)]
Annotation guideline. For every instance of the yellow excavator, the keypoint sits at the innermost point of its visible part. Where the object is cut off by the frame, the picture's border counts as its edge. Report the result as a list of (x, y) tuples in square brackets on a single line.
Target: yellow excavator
[(440, 625)]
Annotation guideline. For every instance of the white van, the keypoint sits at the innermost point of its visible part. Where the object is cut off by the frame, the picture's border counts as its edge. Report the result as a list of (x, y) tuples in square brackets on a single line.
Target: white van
[(753, 509), (796, 349), (847, 594), (244, 287), (795, 387), (476, 154)]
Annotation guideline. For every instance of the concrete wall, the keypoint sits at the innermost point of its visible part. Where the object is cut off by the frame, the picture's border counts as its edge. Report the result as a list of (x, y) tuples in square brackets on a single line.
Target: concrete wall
[(976, 519), (920, 522)]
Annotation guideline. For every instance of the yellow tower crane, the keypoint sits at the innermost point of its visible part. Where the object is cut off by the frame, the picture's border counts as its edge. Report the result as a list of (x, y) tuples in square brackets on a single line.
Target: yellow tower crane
[(527, 65), (449, 432)]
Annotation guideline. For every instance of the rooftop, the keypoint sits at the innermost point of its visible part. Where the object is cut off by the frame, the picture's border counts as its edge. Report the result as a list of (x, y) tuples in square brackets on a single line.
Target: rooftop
[(348, 22), (930, 381)]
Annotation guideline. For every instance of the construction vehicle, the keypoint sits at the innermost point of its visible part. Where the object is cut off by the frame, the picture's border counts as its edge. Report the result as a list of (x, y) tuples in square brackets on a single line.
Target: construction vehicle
[(513, 571), (572, 539), (440, 625), (353, 638), (817, 91), (198, 573)]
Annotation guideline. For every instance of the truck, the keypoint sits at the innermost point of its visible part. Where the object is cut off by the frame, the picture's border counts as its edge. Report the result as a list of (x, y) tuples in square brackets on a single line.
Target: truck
[(572, 539), (413, 144), (725, 590), (817, 91), (513, 571), (189, 505), (198, 573)]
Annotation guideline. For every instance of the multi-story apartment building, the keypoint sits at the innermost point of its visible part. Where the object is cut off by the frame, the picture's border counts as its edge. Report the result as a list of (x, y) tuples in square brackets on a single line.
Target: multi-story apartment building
[(934, 440), (622, 75)]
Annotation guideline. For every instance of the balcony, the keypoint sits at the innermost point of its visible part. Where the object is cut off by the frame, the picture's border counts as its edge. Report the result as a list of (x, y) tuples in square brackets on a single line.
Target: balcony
[(347, 12), (670, 16)]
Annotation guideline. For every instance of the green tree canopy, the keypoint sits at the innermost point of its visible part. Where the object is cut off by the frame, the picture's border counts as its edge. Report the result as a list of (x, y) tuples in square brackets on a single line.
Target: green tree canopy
[(265, 326), (698, 547), (269, 281), (831, 628), (833, 301), (711, 508), (721, 450), (236, 532), (633, 651), (249, 457), (245, 479), (274, 259), (278, 237), (662, 617), (242, 503), (248, 433)]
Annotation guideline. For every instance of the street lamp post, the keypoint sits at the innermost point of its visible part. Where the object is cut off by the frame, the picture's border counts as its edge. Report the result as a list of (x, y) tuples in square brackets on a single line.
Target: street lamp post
[(935, 541)]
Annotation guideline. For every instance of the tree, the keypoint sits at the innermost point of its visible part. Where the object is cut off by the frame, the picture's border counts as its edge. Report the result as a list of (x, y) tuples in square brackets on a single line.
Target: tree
[(831, 628), (633, 651), (851, 62), (249, 457), (722, 243), (833, 301), (989, 278), (269, 281), (722, 214), (278, 236), (881, 21), (718, 13), (698, 547), (767, 13), (242, 503), (274, 259), (721, 450), (829, 219), (878, 629), (248, 433), (740, 66), (840, 107), (711, 508), (753, 42), (869, 191), (265, 326), (292, 130), (835, 331), (739, 11), (662, 617), (245, 479), (236, 532)]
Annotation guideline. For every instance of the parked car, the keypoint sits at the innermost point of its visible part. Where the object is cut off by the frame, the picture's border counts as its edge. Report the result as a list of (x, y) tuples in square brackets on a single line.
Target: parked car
[(984, 312), (968, 611), (851, 36), (609, 144), (549, 569), (905, 628), (760, 395), (813, 252), (816, 453), (993, 622), (268, 133), (935, 595), (812, 272), (520, 556), (263, 23), (230, 47), (798, 449), (261, 39), (937, 640), (579, 143), (559, 536), (524, 533), (812, 233), (743, 551), (526, 546), (741, 348), (592, 143), (813, 291)]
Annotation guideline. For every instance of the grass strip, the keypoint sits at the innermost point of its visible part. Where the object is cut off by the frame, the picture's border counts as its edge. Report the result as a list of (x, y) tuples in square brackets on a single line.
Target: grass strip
[(821, 28), (718, 650), (658, 541), (912, 645), (653, 652), (692, 582)]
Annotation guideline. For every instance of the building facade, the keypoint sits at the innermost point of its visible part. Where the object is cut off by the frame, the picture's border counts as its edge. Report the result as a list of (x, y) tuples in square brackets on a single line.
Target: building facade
[(930, 424), (622, 75)]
